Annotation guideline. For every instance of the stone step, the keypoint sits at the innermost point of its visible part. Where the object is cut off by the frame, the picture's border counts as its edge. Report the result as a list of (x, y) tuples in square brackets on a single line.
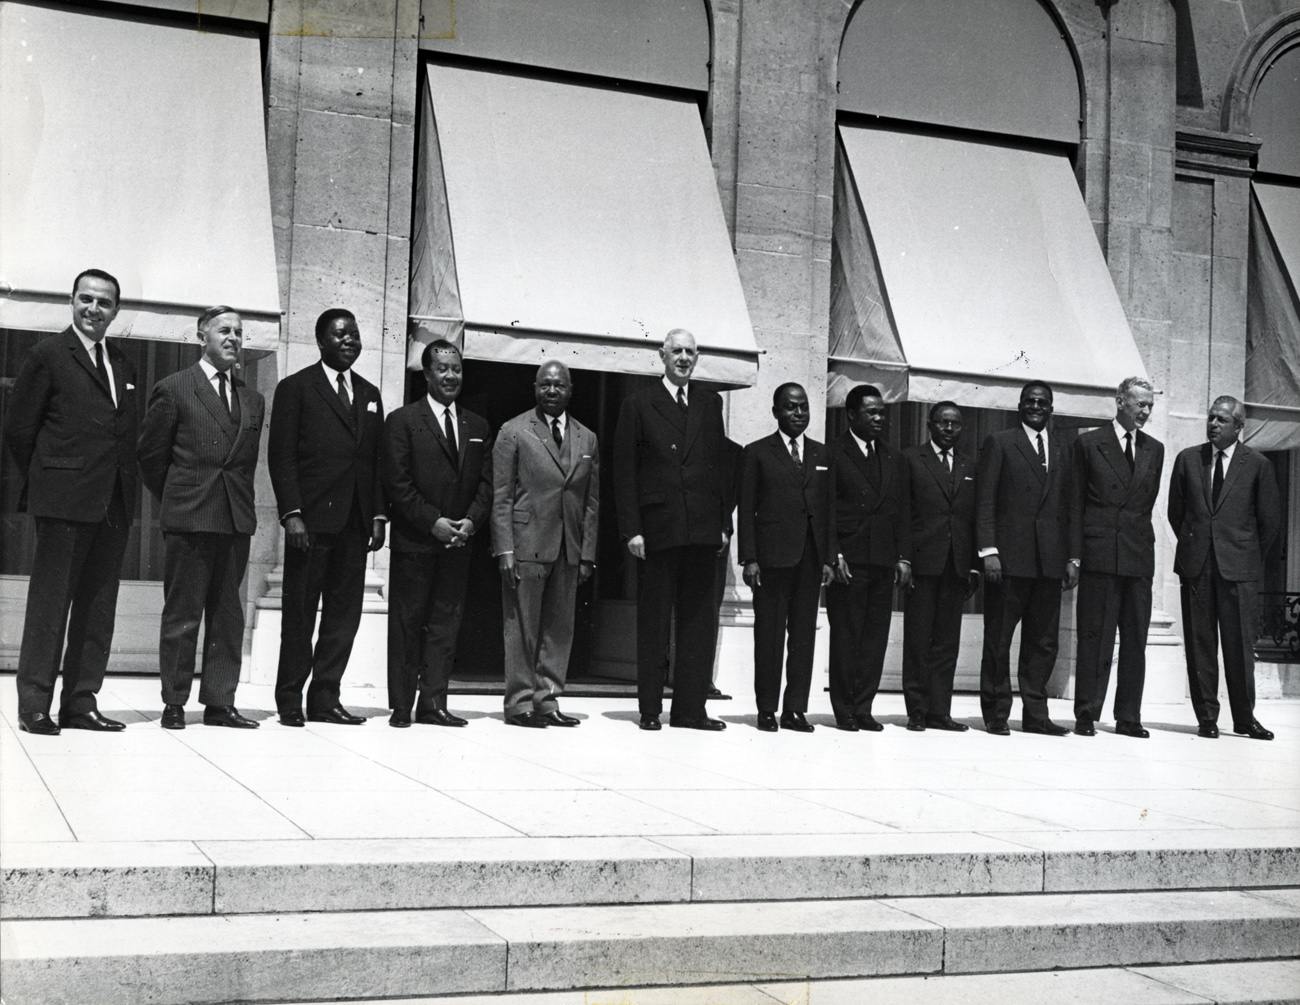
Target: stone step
[(370, 955), (125, 879)]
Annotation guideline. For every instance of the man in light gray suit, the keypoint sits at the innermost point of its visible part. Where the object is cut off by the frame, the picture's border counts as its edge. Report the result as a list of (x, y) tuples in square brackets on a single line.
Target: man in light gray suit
[(546, 477)]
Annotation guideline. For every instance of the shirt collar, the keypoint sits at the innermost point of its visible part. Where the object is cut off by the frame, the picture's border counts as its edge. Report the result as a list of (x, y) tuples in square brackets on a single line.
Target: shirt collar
[(862, 444), (1121, 432), (1033, 434), (1229, 450), (548, 419), (438, 408), (938, 451), (672, 390), (786, 440), (209, 370), (332, 376), (90, 344)]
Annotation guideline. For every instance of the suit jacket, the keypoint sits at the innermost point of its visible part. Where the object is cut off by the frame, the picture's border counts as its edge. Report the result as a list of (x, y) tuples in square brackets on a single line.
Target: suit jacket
[(943, 511), (1020, 509), (423, 483), (871, 523), (1110, 509), (668, 469), (69, 440), (545, 497), (196, 460), (779, 500), (1242, 528), (322, 455)]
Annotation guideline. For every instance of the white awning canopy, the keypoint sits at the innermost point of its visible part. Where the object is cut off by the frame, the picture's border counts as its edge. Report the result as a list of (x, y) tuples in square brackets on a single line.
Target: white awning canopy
[(140, 149), (992, 274), (584, 223)]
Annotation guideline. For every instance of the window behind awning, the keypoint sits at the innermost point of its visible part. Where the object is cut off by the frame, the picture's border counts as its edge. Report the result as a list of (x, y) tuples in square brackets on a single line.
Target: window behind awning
[(574, 222), (989, 272), (140, 149), (1273, 319)]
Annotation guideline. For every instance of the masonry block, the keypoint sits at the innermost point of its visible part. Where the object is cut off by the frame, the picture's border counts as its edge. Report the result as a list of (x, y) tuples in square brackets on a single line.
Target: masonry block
[(1149, 278), (333, 268), (1142, 91), (352, 76), (777, 132), (1144, 21), (1228, 301), (1219, 29), (1232, 216), (777, 289), (401, 180), (335, 186), (1192, 217), (1189, 297), (772, 219)]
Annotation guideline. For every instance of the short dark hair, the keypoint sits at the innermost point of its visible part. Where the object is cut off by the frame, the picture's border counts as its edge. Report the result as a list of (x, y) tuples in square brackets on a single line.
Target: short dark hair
[(1237, 408), (328, 317), (98, 274), (776, 395), (213, 312), (1039, 383), (854, 399), (437, 345), (934, 409)]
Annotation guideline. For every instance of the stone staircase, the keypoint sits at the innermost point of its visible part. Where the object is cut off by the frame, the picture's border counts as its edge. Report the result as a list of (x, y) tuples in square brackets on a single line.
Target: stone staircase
[(296, 921)]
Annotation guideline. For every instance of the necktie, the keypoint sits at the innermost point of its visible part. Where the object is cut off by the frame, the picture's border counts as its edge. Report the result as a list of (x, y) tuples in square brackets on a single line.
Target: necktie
[(1218, 477), (343, 393), (1128, 451), (103, 370), (556, 435), (794, 451), (681, 399), (221, 389), (947, 462), (449, 430), (1042, 456)]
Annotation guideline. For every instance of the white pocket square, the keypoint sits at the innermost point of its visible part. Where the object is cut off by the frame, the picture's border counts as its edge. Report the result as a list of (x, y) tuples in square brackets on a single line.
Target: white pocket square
[(372, 407), (130, 387), (822, 467), (586, 457), (968, 478), (474, 439)]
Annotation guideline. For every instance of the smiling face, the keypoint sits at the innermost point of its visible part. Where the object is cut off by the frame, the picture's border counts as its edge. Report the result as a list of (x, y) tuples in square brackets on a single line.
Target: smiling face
[(94, 306), (680, 356), (444, 376), (553, 389), (945, 427), (222, 338), (868, 420), (791, 411), (1133, 407), (1221, 426), (340, 344), (1036, 406)]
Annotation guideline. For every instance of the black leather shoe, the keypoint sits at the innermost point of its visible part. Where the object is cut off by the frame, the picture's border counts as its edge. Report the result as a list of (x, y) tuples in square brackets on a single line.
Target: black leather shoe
[(90, 720), (292, 719), (1255, 731), (703, 722), (338, 715), (650, 722), (1085, 727), (1045, 728), (400, 718), (998, 727), (38, 723), (173, 717), (557, 718), (440, 717), (946, 722), (848, 725), (1208, 730), (1134, 729), (869, 723), (530, 719), (767, 722), (916, 723), (226, 715), (797, 722)]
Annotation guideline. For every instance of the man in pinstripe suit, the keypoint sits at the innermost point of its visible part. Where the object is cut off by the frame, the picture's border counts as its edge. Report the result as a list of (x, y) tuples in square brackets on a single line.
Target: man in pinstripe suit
[(198, 451)]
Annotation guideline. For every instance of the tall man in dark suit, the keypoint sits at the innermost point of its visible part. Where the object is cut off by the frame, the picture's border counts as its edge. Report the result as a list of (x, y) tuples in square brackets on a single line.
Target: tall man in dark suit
[(871, 531), (1022, 531), (546, 501), (326, 427), (1113, 488), (941, 497), (785, 550), (437, 473), (673, 511), (71, 426), (1225, 508), (198, 453)]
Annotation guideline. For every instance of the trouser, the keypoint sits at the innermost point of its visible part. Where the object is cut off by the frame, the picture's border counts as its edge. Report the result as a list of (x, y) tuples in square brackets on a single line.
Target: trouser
[(1034, 603), (1215, 608), (1106, 604), (201, 577), (859, 612), (684, 577), (75, 572), (426, 603), (786, 600), (538, 618), (931, 641), (330, 574)]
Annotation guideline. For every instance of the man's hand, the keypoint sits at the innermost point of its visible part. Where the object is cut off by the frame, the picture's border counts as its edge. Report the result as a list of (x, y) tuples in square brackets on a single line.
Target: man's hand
[(377, 533), (295, 533), (828, 575), (585, 571), (726, 543), (992, 569), (752, 575), (509, 571), (903, 574), (447, 531), (972, 583), (842, 570), (636, 545), (1071, 576)]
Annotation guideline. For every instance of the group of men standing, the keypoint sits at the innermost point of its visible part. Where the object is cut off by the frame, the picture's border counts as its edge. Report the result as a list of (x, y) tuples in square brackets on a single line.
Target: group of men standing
[(855, 516)]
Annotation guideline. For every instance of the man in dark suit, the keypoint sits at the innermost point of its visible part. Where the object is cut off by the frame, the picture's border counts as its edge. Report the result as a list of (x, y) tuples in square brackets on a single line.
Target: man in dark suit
[(437, 473), (784, 548), (674, 515), (871, 531), (71, 426), (1021, 529), (326, 427), (1225, 508), (546, 501), (1113, 488), (198, 453), (941, 497)]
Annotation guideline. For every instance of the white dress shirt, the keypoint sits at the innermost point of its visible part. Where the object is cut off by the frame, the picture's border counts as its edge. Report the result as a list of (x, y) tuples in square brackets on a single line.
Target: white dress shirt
[(563, 418), (333, 375), (90, 348), (1033, 435), (211, 372), (439, 413), (862, 444), (1228, 451), (673, 389), (803, 449), (939, 452)]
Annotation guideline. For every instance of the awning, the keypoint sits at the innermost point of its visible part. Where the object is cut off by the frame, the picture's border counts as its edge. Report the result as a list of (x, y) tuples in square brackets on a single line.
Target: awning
[(990, 272), (584, 224), (139, 149), (1273, 319)]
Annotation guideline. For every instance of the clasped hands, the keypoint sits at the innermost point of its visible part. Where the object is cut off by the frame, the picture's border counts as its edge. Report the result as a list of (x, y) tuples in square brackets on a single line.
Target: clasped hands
[(453, 533)]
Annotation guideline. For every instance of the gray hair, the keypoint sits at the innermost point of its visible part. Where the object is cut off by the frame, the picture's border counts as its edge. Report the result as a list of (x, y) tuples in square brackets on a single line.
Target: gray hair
[(679, 331), (1236, 407), (1128, 383), (553, 363)]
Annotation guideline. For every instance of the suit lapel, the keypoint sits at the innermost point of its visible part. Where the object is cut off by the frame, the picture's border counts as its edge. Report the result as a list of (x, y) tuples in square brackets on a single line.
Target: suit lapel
[(667, 407), (781, 450), (245, 402), (1109, 449), (694, 419), (82, 357), (935, 466), (1142, 454), (435, 427), (1206, 469), (860, 459), (542, 431), (1230, 476), (1031, 455), (204, 391), (331, 396)]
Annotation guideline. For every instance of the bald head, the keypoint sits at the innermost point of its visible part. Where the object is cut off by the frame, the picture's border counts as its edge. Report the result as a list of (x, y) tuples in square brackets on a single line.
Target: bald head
[(553, 388)]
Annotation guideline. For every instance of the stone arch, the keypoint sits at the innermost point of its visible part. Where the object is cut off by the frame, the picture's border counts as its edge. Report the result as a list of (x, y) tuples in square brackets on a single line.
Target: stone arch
[(1258, 52)]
